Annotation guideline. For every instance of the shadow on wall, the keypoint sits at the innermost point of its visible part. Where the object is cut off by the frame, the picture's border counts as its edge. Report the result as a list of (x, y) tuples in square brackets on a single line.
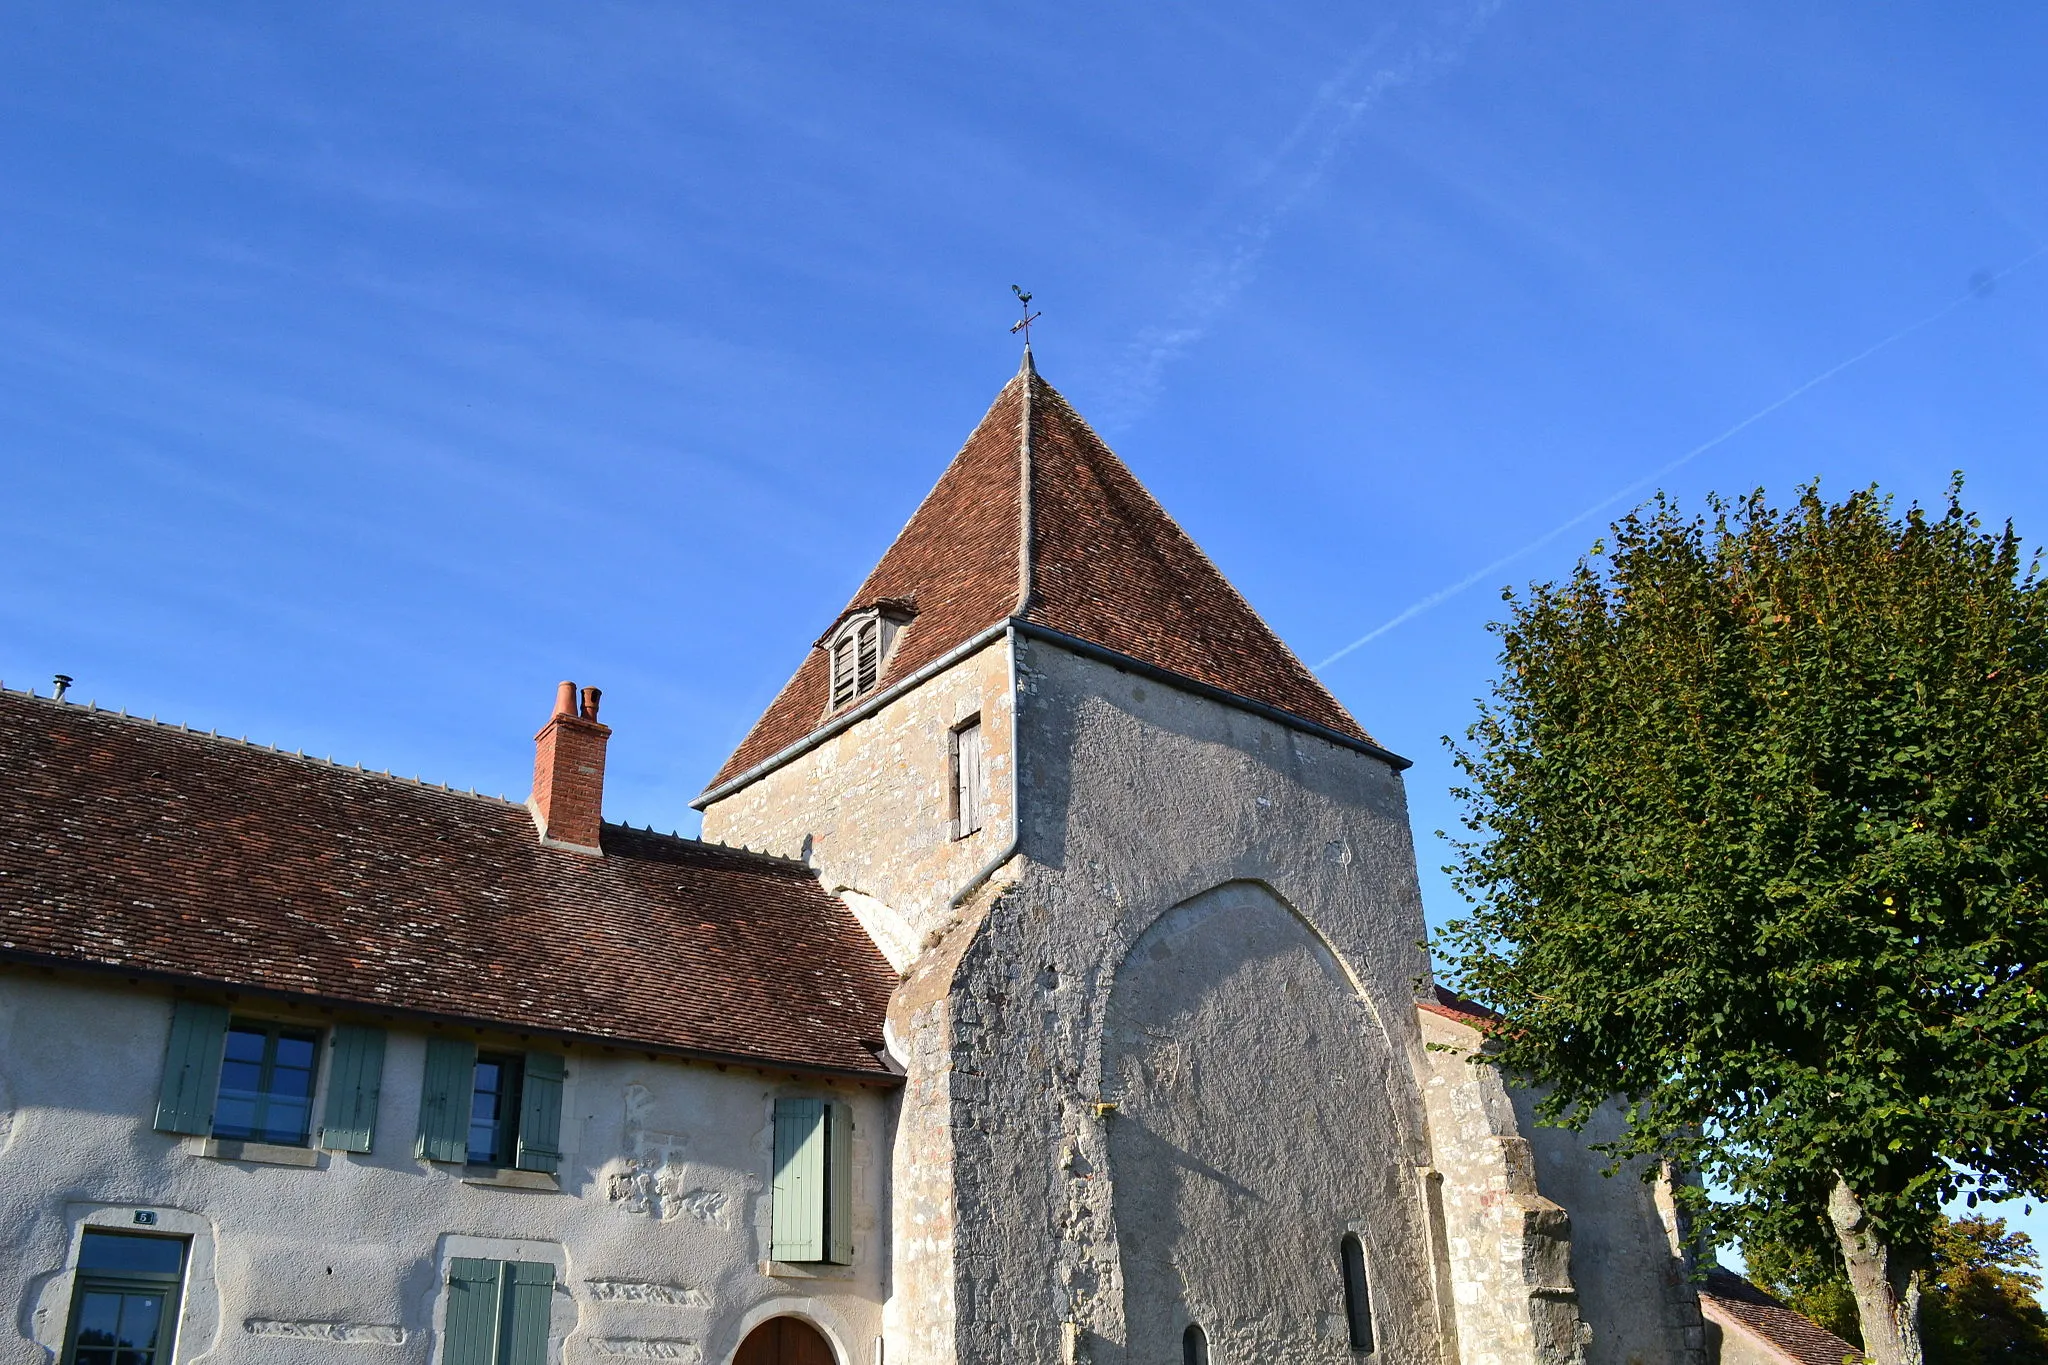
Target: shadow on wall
[(1087, 722), (1254, 1129)]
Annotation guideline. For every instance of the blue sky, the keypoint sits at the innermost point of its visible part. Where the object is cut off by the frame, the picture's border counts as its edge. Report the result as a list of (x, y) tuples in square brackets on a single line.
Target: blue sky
[(366, 369)]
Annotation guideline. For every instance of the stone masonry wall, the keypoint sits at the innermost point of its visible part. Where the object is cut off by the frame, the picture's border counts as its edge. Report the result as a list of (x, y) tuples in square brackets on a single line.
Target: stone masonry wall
[(1551, 1260), (1509, 1246), (1138, 798), (871, 807)]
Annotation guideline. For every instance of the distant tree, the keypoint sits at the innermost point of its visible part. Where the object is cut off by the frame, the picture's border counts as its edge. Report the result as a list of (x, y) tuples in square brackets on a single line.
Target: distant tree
[(1759, 841), (1981, 1304)]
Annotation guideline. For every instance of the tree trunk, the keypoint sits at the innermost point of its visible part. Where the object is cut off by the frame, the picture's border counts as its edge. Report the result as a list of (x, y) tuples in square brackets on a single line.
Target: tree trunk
[(1887, 1298)]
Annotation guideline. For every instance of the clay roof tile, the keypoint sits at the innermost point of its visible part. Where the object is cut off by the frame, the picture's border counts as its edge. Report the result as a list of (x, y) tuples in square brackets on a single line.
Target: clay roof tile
[(149, 850), (1101, 561)]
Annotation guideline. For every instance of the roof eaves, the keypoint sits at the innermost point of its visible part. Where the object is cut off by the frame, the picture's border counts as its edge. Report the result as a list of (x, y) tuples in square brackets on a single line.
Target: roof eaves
[(885, 1073)]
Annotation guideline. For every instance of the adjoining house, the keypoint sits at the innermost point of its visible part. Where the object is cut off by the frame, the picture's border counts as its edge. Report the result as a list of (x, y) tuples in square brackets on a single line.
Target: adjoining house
[(1048, 987)]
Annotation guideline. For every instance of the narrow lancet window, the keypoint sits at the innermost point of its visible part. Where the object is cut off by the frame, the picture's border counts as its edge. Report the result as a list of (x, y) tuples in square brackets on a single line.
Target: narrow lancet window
[(1357, 1297), (1194, 1345)]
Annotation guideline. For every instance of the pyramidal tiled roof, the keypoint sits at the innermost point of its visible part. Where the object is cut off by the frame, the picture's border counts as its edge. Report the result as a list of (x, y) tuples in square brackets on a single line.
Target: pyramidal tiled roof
[(1100, 562)]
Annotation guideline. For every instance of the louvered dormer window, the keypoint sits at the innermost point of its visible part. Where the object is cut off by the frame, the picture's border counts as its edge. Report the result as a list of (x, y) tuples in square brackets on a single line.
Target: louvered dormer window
[(857, 648)]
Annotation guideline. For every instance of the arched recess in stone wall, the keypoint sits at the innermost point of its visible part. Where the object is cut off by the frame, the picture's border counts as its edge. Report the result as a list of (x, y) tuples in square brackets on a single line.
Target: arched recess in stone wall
[(1253, 1129)]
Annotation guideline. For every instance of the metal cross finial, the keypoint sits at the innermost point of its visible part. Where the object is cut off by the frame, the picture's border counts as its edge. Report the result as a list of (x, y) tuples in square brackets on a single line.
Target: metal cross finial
[(1023, 324)]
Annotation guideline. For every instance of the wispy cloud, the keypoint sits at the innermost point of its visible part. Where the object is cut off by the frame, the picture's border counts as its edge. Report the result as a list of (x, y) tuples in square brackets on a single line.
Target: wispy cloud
[(1285, 183), (1979, 286)]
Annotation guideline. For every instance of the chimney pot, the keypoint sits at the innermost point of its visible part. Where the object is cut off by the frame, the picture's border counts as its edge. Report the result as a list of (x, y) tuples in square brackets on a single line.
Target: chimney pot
[(568, 773)]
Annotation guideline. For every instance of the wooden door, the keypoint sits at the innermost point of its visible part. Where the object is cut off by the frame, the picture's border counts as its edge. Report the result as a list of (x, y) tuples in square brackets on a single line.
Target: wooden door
[(784, 1341)]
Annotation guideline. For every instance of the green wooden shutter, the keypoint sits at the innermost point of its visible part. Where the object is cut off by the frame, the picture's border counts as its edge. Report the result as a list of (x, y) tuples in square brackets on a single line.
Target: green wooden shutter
[(799, 1190), (355, 1074), (471, 1328), (540, 1113), (191, 1080), (839, 1182), (445, 1092), (529, 1294), (498, 1312)]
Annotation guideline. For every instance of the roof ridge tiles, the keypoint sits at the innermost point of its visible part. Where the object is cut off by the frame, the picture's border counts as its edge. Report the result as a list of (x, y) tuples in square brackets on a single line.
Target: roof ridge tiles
[(244, 742)]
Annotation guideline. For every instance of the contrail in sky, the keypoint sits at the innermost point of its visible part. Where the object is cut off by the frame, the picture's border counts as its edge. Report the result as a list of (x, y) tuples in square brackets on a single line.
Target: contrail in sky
[(1977, 288), (1327, 126)]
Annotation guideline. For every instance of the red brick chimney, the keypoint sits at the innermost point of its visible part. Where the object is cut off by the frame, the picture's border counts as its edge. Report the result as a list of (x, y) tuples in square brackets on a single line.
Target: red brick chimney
[(568, 772)]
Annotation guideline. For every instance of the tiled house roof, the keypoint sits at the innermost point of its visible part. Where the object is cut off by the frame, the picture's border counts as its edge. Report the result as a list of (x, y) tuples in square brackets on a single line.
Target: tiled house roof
[(1738, 1305), (141, 848), (1102, 562), (1453, 1006)]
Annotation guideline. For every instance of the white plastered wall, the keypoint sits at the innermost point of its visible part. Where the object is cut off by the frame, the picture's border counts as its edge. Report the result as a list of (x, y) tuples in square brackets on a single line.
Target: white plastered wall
[(658, 1233)]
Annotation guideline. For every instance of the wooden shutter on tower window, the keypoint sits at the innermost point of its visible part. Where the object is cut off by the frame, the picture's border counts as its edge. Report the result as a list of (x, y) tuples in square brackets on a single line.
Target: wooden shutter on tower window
[(842, 671), (540, 1113), (869, 658), (470, 1330), (967, 778), (355, 1078), (839, 1182), (445, 1092), (798, 1230), (191, 1079), (529, 1289)]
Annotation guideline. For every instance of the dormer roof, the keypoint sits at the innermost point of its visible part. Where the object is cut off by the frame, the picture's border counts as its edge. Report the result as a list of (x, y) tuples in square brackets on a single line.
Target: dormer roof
[(1037, 522)]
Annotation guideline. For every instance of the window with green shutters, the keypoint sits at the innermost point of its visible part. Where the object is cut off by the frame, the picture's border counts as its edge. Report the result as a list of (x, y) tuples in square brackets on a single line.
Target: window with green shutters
[(491, 1109), (266, 1083), (812, 1192), (498, 1312), (539, 1144), (355, 1078), (253, 1080), (192, 1058), (445, 1090), (494, 1110)]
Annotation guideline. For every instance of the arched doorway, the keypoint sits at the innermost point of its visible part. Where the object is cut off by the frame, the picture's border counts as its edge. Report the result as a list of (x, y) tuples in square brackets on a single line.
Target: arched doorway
[(784, 1341)]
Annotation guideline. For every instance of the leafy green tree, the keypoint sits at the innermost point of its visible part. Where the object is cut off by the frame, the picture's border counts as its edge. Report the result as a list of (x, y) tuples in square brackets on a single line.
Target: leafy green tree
[(1981, 1304), (1759, 841)]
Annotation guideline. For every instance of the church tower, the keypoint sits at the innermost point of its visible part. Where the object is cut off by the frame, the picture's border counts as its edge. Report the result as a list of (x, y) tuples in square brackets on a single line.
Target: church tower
[(1152, 893)]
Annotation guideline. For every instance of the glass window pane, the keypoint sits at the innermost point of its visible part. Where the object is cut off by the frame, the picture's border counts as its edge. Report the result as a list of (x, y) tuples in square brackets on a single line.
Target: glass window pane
[(285, 1121), (139, 1314), (291, 1081), (121, 1252), (246, 1044), (94, 1355), (246, 1077), (234, 1117), (295, 1050), (99, 1319)]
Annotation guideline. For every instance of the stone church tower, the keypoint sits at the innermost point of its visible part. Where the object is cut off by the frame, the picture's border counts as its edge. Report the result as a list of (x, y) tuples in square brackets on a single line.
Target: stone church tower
[(1152, 896)]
